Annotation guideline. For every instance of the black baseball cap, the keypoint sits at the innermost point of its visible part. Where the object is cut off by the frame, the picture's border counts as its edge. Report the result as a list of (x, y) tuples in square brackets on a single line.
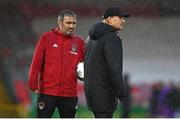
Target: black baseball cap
[(115, 11)]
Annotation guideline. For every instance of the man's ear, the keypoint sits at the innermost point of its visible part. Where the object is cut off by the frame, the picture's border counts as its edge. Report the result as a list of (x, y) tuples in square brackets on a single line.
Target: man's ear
[(108, 20), (59, 22)]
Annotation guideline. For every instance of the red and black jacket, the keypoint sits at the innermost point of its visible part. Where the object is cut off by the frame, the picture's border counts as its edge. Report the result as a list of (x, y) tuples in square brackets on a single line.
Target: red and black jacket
[(53, 68)]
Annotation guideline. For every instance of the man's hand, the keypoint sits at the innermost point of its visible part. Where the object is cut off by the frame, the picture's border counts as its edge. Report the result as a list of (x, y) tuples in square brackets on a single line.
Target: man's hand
[(36, 91)]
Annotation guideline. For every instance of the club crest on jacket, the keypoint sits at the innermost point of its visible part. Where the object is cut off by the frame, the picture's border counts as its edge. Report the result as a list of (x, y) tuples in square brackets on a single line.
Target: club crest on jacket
[(74, 49)]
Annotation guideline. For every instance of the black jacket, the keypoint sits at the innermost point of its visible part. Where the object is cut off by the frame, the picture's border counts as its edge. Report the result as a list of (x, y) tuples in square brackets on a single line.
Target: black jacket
[(103, 68)]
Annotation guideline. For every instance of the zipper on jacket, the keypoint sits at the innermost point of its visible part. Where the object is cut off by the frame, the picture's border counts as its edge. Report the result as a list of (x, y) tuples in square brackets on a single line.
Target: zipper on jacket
[(60, 81)]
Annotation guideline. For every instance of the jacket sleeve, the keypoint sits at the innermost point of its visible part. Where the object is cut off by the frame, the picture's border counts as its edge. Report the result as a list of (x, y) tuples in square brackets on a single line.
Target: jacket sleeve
[(36, 64), (114, 58)]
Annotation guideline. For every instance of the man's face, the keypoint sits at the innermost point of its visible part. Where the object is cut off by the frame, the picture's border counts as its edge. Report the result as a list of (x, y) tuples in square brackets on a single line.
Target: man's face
[(117, 22), (67, 25)]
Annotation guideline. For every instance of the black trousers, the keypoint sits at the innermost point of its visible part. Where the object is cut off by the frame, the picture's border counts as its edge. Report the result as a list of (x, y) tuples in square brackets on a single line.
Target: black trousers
[(46, 104), (103, 114)]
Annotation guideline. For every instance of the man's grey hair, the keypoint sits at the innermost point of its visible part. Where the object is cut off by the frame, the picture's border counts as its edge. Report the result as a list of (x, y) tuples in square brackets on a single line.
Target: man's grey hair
[(66, 12)]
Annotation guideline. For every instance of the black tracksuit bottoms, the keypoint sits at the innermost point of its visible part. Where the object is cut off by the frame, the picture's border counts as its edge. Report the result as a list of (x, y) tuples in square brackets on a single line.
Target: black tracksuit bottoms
[(46, 104), (103, 114)]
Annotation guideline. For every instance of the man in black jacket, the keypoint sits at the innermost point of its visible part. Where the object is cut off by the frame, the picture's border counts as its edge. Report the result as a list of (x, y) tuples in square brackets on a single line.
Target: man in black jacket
[(103, 64)]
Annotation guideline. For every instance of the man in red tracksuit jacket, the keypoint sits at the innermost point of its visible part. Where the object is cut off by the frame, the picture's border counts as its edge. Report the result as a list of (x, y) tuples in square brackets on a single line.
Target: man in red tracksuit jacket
[(52, 73)]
